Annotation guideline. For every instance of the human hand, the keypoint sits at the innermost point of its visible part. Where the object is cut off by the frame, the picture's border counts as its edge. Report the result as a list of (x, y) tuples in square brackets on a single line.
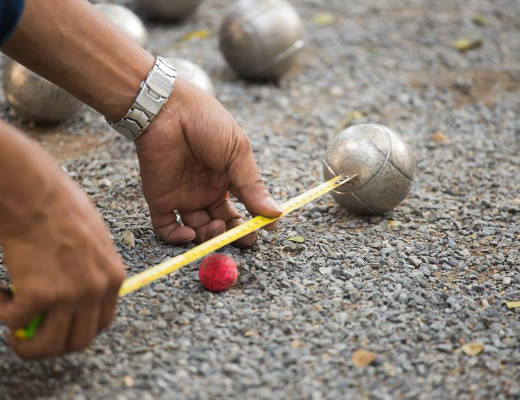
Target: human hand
[(63, 265), (191, 156)]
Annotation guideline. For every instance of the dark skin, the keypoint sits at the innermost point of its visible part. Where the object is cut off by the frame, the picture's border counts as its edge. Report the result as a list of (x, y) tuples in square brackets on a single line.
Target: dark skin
[(58, 252)]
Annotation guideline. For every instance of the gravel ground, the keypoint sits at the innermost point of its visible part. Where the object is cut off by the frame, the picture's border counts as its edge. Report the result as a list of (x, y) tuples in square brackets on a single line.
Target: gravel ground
[(412, 286)]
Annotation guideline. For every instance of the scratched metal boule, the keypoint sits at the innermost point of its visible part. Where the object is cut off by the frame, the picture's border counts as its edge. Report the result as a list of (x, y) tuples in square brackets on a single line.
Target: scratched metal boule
[(383, 163), (261, 39), (126, 20), (193, 74), (169, 9), (34, 98)]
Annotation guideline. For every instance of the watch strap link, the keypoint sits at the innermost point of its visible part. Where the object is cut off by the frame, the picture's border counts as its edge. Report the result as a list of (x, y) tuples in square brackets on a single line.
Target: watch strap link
[(153, 94)]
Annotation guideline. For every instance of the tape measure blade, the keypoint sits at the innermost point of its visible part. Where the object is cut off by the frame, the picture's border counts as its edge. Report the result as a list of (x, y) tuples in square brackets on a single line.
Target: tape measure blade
[(314, 193), (166, 267)]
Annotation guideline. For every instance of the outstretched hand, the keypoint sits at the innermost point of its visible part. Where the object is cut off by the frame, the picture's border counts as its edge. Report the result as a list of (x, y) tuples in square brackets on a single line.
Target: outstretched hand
[(191, 157)]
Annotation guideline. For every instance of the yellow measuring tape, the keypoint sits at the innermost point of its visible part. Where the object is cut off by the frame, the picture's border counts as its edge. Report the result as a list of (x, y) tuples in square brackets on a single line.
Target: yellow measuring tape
[(151, 274)]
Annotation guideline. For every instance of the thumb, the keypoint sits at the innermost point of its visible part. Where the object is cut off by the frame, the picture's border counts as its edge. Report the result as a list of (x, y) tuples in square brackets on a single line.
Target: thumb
[(247, 184)]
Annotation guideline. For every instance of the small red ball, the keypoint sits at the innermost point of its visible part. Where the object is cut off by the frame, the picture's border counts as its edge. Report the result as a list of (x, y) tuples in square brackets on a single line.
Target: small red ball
[(218, 273)]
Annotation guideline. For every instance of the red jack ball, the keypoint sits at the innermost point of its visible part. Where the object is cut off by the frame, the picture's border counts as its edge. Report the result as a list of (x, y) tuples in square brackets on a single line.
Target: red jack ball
[(218, 273)]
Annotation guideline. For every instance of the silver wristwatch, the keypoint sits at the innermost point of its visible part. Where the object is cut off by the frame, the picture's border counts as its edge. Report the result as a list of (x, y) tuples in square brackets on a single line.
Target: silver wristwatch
[(154, 93)]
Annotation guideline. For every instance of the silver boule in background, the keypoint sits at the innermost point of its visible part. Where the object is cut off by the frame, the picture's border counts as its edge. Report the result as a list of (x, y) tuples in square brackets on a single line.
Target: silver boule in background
[(34, 98), (261, 39), (169, 9), (383, 162), (193, 74), (126, 20)]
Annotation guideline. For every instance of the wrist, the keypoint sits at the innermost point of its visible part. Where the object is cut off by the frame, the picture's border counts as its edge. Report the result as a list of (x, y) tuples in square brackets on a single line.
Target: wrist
[(169, 120)]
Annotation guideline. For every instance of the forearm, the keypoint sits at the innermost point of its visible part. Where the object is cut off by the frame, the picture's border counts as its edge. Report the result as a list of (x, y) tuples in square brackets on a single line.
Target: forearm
[(28, 176), (71, 44)]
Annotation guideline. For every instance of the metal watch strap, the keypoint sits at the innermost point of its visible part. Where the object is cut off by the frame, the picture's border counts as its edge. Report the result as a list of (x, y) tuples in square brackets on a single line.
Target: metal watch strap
[(154, 93)]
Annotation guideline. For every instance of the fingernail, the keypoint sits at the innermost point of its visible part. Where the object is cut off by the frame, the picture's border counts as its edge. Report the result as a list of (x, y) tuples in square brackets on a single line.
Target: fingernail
[(273, 205)]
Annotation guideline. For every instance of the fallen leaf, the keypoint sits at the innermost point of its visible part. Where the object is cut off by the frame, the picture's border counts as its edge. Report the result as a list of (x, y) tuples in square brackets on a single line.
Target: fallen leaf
[(351, 116), (128, 238), (512, 304), (324, 18), (199, 34), (296, 344), (465, 44), (439, 137), (361, 358), (297, 239), (473, 348), (393, 223), (479, 20), (128, 381), (251, 333)]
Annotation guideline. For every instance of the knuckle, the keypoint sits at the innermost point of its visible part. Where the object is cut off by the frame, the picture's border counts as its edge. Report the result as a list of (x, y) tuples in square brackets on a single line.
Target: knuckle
[(117, 276), (44, 296), (95, 287)]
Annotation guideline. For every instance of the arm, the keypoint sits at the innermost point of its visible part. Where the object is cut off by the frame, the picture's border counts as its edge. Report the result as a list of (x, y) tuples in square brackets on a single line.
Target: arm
[(192, 154)]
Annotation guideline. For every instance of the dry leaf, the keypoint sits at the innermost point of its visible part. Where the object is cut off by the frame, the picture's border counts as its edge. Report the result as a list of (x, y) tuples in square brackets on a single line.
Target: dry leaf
[(465, 44), (473, 348), (513, 304), (297, 239), (296, 344), (324, 18), (479, 20), (128, 238), (200, 34), (361, 358), (439, 137), (128, 381), (393, 223), (251, 333), (351, 116)]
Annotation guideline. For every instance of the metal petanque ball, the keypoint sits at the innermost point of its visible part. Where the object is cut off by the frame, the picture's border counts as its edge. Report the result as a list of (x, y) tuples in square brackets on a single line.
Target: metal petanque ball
[(261, 39), (383, 162), (193, 74), (125, 20), (36, 99), (169, 9)]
